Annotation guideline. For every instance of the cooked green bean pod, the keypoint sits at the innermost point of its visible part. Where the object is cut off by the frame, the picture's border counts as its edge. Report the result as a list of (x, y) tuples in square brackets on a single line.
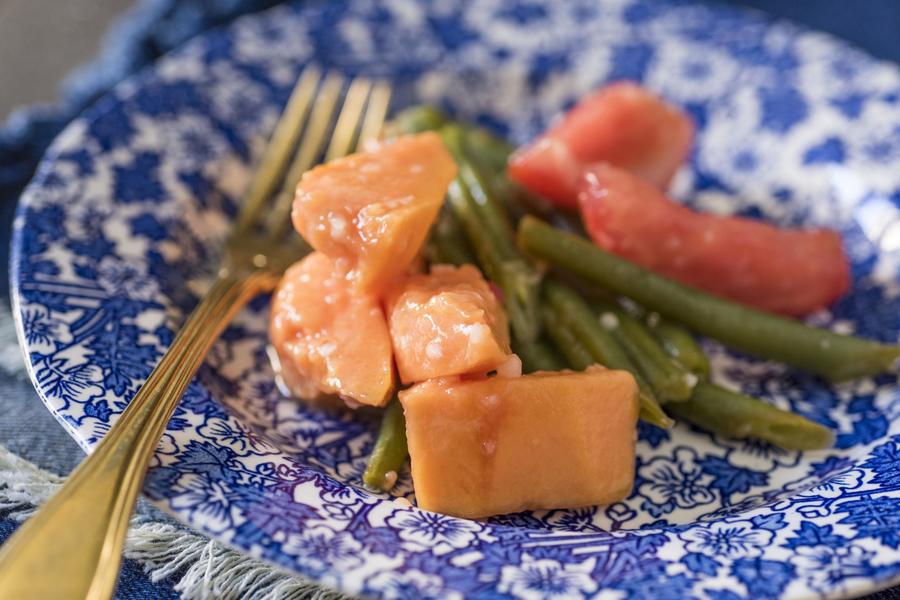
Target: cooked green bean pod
[(669, 380), (491, 212), (486, 149), (390, 452), (490, 234), (681, 345), (416, 119), (831, 355), (577, 316), (565, 341), (737, 415), (722, 411), (537, 356), (448, 243)]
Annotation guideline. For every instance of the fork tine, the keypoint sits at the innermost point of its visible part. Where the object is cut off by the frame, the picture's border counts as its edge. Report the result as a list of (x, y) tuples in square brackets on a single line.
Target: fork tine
[(348, 121), (379, 100), (309, 151), (279, 149)]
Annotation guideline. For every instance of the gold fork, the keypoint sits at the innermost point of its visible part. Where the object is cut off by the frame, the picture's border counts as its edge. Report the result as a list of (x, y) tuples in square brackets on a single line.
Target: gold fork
[(72, 547)]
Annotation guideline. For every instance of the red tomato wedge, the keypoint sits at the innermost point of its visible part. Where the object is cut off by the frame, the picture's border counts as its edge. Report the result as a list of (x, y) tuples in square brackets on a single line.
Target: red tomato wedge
[(792, 272), (622, 124)]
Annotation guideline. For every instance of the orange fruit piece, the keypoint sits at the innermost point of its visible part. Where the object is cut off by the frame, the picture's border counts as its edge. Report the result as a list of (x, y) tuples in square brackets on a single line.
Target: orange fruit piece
[(330, 339), (375, 208), (448, 322), (540, 441)]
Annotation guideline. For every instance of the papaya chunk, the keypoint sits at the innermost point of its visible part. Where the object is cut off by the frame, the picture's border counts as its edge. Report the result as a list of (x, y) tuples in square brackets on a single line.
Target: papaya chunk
[(330, 339), (540, 441), (375, 208), (448, 322)]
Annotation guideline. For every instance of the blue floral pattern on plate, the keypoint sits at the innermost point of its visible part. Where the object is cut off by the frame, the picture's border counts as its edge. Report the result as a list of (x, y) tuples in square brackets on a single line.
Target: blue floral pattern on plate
[(127, 213)]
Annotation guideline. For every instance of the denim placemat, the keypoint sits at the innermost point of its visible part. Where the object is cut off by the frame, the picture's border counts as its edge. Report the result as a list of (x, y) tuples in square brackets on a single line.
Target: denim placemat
[(154, 27)]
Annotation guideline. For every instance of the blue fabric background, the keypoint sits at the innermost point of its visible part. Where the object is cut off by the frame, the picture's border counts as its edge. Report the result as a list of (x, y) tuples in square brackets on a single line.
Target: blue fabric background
[(152, 28)]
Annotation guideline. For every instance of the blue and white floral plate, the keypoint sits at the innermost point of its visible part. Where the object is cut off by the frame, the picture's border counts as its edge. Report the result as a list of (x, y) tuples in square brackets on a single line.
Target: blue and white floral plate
[(129, 208)]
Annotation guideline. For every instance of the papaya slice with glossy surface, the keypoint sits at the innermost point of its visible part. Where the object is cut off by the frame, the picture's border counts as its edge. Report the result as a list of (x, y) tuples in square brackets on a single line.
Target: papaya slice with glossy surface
[(448, 322), (540, 441), (329, 338), (375, 208)]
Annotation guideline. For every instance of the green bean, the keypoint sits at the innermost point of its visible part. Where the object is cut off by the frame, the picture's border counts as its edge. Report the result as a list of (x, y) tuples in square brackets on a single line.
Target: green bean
[(831, 355), (447, 243), (669, 380), (492, 214), (715, 408), (416, 119), (577, 316), (486, 149), (736, 415), (537, 356), (506, 274), (492, 241), (681, 345), (712, 407), (565, 341), (390, 450), (491, 154)]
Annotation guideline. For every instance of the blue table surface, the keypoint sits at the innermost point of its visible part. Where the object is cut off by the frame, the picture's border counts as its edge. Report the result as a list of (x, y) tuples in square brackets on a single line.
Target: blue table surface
[(869, 24)]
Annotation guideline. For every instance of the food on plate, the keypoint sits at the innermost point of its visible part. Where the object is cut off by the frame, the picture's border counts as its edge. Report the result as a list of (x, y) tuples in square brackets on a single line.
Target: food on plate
[(575, 353), (463, 296), (793, 272), (375, 208), (622, 124), (737, 415), (447, 322), (330, 339), (390, 451), (537, 356), (484, 220), (500, 445), (680, 344), (669, 380), (709, 406), (823, 352), (447, 243), (576, 315)]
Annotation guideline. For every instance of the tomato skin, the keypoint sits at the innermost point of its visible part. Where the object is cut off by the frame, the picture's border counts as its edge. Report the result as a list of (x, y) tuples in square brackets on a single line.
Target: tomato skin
[(791, 272), (623, 124), (548, 169)]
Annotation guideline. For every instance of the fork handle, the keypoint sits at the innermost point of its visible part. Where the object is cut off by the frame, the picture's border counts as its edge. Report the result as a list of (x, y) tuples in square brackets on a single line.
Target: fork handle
[(72, 547)]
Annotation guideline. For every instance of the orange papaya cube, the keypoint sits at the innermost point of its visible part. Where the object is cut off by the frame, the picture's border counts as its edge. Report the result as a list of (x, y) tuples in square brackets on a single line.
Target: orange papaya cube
[(375, 208), (540, 441), (329, 338), (448, 322)]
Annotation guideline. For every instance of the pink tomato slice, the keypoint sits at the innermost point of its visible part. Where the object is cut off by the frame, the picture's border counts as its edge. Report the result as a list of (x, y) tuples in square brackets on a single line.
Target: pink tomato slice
[(623, 124), (788, 271)]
